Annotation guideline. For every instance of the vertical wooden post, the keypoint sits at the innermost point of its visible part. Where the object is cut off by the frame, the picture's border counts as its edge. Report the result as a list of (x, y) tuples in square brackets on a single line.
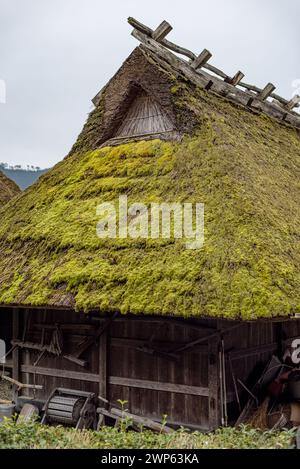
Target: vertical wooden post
[(103, 364), (16, 353), (278, 332), (213, 386), (26, 353)]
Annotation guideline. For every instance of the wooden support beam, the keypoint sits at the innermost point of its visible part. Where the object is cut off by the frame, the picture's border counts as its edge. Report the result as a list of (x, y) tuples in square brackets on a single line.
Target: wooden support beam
[(213, 386), (77, 361), (103, 365), (92, 340), (56, 373), (159, 386), (293, 103), (199, 326), (20, 385), (161, 31), (252, 351), (206, 338), (74, 329), (141, 421), (262, 95), (139, 27), (33, 346), (202, 59), (119, 381), (236, 79), (266, 92), (128, 342), (16, 352)]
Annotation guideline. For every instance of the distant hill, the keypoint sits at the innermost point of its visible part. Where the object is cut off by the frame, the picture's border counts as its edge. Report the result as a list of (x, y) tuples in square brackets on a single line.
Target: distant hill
[(23, 177)]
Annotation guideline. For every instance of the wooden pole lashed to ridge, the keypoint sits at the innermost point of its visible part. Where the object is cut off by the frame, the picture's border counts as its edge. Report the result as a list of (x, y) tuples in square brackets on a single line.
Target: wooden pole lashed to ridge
[(199, 64)]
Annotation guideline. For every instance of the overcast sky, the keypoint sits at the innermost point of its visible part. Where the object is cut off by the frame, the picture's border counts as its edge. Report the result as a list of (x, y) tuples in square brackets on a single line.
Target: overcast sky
[(55, 55)]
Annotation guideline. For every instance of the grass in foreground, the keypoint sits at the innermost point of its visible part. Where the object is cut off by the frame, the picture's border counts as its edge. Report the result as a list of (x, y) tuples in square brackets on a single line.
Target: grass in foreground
[(36, 436)]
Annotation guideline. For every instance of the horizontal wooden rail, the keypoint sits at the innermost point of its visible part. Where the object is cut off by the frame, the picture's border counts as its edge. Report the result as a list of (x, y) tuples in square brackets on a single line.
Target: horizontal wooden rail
[(119, 381), (56, 373), (157, 386), (259, 349)]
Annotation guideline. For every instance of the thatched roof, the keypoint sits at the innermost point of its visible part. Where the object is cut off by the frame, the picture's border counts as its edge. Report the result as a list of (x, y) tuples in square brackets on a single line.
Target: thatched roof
[(244, 166), (8, 189)]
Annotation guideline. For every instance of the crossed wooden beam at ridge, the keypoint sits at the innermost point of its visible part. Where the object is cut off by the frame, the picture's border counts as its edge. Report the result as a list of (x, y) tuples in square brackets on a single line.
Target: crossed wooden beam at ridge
[(202, 62)]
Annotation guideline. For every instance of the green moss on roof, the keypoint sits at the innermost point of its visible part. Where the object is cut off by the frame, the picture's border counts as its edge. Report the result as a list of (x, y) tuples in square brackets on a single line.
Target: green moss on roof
[(8, 189), (245, 169)]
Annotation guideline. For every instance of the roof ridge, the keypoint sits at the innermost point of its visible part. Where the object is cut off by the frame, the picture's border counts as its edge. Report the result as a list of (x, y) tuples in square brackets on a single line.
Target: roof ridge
[(209, 77)]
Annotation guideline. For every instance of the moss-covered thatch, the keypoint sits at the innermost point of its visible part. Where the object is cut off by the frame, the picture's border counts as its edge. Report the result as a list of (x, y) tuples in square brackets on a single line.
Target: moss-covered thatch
[(8, 189), (244, 167)]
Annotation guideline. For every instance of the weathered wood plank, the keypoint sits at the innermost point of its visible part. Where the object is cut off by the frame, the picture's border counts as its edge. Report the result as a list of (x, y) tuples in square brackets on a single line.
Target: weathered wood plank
[(162, 346), (103, 365), (162, 31), (20, 385), (135, 383), (91, 340), (213, 386), (293, 102), (77, 329), (142, 421), (236, 79), (252, 351), (58, 373), (202, 59), (206, 338), (16, 351), (139, 27), (266, 92), (158, 386)]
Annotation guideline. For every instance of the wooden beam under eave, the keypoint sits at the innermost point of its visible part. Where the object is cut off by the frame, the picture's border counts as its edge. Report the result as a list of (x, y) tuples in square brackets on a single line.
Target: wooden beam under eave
[(161, 31)]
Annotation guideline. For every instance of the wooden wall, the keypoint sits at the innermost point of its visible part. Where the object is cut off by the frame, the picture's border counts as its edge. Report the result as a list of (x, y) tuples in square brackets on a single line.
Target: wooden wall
[(158, 366)]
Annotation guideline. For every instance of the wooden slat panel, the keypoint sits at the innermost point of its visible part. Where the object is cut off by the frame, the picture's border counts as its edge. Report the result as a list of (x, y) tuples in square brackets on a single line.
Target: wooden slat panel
[(144, 117)]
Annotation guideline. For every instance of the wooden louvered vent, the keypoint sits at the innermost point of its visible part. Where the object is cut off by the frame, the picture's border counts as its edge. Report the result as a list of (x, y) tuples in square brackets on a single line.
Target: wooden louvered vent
[(144, 118)]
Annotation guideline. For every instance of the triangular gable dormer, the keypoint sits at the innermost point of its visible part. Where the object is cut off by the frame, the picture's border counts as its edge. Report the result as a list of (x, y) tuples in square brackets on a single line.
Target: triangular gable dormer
[(143, 118), (140, 102)]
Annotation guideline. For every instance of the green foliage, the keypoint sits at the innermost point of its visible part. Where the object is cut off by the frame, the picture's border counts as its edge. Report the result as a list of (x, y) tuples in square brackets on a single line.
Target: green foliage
[(35, 436), (245, 169)]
